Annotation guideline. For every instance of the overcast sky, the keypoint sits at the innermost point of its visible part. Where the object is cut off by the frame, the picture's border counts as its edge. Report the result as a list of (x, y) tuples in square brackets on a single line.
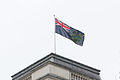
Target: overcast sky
[(27, 34)]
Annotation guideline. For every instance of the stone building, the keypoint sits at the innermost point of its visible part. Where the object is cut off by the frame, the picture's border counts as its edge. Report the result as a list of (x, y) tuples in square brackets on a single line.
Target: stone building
[(56, 67)]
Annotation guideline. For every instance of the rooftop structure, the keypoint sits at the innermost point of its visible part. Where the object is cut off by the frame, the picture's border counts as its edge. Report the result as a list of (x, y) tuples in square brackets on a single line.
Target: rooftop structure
[(56, 67)]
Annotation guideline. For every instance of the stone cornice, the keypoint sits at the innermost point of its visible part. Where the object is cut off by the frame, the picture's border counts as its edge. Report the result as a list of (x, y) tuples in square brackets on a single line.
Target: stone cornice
[(61, 61), (49, 75)]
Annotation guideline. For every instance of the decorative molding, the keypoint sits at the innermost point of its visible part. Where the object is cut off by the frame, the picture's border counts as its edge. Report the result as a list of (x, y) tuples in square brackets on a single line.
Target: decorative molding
[(50, 75), (28, 78)]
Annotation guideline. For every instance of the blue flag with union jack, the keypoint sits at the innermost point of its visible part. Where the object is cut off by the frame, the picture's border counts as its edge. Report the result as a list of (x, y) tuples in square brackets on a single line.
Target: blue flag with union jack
[(63, 29)]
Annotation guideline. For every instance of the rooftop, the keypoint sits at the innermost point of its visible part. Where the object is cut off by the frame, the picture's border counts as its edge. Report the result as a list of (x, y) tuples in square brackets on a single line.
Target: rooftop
[(61, 61)]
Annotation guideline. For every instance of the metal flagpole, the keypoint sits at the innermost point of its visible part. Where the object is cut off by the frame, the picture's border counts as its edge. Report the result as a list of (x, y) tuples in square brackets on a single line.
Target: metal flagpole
[(54, 38)]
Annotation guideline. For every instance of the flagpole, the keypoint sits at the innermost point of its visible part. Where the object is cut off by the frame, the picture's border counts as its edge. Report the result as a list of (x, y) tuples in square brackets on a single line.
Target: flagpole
[(54, 38)]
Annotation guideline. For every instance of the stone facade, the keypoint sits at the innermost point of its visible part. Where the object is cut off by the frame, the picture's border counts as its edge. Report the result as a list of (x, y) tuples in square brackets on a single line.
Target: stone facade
[(55, 67)]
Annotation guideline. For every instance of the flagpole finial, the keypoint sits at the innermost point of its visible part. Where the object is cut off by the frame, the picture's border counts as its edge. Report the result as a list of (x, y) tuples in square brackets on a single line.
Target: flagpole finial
[(54, 15)]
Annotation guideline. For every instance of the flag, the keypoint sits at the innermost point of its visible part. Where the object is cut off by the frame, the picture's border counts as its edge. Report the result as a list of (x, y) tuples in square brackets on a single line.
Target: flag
[(63, 29)]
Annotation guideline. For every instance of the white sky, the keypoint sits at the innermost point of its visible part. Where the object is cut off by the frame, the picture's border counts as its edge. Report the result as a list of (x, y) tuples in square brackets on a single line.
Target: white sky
[(27, 33)]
